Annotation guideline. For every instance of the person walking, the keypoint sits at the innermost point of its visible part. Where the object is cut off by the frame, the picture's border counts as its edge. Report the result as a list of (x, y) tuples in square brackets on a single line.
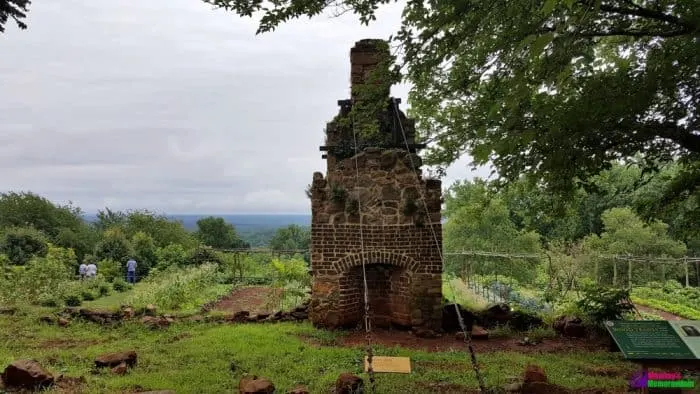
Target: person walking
[(131, 271), (82, 270), (91, 270)]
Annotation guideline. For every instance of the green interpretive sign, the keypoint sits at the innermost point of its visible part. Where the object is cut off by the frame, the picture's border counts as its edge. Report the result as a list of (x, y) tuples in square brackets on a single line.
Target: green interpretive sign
[(650, 339)]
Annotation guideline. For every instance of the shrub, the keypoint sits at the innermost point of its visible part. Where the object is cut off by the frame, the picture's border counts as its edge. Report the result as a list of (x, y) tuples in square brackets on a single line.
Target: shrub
[(48, 301), (103, 290), (87, 295), (173, 254), (176, 289), (110, 269), (601, 304), (73, 300), (42, 277), (120, 285), (20, 244)]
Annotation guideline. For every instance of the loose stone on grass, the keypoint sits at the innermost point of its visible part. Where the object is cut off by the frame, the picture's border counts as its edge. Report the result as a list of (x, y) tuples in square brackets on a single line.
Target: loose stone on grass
[(120, 369), (255, 385), (348, 383), (27, 374), (128, 357), (300, 389)]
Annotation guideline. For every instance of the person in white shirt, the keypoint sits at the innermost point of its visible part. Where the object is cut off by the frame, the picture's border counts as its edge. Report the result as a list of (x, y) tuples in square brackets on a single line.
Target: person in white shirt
[(82, 270), (91, 270)]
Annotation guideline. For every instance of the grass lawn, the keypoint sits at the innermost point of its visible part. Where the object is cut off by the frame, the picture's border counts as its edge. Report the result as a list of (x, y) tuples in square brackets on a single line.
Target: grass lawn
[(197, 357), (115, 300)]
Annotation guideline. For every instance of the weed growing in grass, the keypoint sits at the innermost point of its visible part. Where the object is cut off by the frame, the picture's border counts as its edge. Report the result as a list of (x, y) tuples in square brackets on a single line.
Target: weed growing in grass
[(178, 289)]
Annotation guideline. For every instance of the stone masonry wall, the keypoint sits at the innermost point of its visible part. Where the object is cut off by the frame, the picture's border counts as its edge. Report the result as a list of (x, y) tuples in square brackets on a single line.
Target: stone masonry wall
[(395, 231), (374, 207)]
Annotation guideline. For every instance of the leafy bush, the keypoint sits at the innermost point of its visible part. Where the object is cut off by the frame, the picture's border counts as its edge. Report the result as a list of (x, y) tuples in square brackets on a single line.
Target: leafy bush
[(114, 246), (120, 285), (110, 269), (601, 304), (48, 301), (103, 290), (173, 254), (20, 244), (178, 288), (87, 295), (73, 300)]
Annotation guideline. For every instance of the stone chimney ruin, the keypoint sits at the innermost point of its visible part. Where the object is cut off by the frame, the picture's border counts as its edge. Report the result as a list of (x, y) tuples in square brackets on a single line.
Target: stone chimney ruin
[(371, 207)]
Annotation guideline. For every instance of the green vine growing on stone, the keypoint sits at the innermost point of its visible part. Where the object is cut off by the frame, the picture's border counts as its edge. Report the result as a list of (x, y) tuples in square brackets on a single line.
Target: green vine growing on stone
[(371, 97), (338, 194)]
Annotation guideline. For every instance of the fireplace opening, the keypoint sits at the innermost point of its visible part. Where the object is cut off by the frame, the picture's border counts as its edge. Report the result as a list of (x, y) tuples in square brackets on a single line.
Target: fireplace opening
[(389, 296)]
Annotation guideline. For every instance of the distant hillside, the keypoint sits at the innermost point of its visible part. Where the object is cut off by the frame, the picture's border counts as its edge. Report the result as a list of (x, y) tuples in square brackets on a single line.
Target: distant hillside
[(254, 229)]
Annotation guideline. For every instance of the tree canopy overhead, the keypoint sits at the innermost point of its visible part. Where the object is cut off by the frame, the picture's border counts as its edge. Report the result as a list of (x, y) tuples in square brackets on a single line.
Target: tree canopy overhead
[(15, 10), (553, 88)]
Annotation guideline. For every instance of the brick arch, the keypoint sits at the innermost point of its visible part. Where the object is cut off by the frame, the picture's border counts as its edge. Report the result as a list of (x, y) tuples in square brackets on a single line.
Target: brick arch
[(374, 257)]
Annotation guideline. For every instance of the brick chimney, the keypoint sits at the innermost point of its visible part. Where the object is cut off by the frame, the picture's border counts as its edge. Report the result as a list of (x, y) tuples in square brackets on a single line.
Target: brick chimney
[(365, 56)]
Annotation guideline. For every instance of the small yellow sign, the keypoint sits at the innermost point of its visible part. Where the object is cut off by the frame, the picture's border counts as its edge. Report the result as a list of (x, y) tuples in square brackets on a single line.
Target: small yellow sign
[(390, 364)]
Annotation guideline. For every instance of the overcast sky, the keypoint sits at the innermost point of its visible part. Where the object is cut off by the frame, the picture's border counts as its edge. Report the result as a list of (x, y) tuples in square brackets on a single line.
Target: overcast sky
[(172, 106)]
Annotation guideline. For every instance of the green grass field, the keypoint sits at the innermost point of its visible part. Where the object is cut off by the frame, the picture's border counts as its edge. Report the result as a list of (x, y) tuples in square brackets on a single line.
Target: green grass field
[(196, 358), (191, 357)]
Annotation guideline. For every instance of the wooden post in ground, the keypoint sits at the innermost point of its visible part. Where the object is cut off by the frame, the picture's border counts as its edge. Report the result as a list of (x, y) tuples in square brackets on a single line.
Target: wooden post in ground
[(685, 263), (629, 273)]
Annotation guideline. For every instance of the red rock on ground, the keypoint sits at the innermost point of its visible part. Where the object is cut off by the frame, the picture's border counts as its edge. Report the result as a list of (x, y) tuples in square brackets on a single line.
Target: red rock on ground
[(534, 373), (113, 359), (28, 374), (299, 390), (479, 333), (348, 383), (254, 385), (119, 369)]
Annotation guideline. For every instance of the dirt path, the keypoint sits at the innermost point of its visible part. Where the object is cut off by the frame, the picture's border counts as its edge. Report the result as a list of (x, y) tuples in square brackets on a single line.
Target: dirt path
[(255, 299), (663, 314)]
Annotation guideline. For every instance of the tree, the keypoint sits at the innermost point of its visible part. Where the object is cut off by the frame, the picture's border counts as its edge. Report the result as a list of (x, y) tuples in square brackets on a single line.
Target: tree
[(292, 237), (477, 221), (28, 209), (162, 229), (215, 232), (114, 246), (20, 244), (626, 234), (15, 10), (555, 88), (144, 252)]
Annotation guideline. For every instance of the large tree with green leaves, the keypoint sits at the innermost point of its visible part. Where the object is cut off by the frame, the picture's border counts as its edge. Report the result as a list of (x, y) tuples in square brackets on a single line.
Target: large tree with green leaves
[(553, 88), (215, 232), (15, 10)]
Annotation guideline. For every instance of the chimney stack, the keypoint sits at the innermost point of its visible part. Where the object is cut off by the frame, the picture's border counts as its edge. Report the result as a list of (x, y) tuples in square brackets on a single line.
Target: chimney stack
[(365, 57)]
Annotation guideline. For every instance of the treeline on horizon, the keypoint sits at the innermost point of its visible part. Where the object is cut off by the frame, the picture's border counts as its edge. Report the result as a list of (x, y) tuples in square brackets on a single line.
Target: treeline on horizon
[(31, 226), (621, 212)]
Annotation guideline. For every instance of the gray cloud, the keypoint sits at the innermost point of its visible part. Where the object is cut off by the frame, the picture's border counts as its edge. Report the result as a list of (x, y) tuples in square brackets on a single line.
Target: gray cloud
[(172, 106)]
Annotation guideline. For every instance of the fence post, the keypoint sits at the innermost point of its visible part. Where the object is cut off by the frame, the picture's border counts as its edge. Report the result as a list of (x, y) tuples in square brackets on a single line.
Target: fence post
[(629, 273), (663, 272), (615, 271), (685, 262)]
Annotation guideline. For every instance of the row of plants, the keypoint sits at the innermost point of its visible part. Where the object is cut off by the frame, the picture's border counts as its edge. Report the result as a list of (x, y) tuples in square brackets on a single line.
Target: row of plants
[(670, 292), (676, 309)]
